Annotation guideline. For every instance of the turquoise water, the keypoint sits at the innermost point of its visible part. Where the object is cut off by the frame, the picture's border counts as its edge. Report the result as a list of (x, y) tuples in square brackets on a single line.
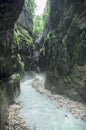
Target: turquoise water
[(40, 113)]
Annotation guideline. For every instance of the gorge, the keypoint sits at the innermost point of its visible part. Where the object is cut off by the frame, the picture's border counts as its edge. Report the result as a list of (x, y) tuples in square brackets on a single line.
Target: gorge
[(53, 43)]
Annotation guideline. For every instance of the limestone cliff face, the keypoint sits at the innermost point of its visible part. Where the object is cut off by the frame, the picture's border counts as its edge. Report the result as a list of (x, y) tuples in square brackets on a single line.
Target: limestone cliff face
[(9, 82), (66, 53), (23, 30), (25, 20)]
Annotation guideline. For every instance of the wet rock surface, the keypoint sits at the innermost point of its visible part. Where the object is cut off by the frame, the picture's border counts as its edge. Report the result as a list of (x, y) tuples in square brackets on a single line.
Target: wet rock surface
[(24, 38), (76, 108), (65, 49), (7, 96), (14, 121)]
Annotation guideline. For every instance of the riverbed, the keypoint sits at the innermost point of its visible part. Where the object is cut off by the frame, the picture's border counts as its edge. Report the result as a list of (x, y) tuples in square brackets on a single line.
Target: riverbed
[(42, 113)]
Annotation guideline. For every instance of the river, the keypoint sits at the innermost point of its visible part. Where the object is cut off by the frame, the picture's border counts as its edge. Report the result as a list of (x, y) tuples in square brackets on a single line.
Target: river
[(41, 113)]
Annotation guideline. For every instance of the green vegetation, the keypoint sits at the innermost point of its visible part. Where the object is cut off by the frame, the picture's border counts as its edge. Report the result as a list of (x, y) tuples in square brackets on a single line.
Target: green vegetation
[(20, 65), (22, 30), (67, 80), (46, 13), (30, 5), (42, 50), (41, 20), (29, 27), (23, 37), (38, 25), (20, 34)]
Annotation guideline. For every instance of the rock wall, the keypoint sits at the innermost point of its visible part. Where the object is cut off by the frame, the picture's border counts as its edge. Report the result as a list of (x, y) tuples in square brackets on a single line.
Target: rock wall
[(9, 12), (9, 82), (24, 39), (66, 53), (9, 90)]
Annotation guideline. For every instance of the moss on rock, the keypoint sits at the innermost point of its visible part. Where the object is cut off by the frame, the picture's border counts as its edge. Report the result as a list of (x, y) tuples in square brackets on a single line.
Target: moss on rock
[(66, 53)]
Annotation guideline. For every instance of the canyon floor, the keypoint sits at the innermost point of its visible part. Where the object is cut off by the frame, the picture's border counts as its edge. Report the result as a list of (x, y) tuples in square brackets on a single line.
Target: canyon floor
[(76, 108), (15, 122)]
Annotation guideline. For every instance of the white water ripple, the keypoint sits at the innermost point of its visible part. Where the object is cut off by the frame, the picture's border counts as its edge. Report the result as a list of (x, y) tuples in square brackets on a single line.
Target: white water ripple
[(42, 114)]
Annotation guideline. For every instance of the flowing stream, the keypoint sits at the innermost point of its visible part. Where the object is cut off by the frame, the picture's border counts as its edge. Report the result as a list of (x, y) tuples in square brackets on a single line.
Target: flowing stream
[(40, 113)]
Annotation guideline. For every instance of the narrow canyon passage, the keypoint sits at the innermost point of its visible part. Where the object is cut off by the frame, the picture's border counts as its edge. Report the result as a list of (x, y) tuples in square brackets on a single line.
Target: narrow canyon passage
[(40, 113), (37, 37)]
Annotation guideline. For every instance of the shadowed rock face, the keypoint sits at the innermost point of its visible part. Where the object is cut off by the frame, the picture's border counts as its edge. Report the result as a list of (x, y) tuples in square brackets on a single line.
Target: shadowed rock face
[(9, 87), (25, 20), (9, 12), (24, 26), (67, 49)]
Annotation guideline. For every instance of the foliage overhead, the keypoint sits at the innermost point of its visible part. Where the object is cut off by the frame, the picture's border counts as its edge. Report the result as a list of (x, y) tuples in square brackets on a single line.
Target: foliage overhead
[(30, 6), (41, 20)]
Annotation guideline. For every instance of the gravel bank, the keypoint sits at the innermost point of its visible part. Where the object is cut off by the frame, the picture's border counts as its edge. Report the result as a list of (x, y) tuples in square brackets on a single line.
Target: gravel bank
[(76, 108), (15, 122)]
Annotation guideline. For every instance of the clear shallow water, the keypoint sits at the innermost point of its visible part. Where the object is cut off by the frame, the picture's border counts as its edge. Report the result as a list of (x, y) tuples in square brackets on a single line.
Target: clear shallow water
[(42, 114)]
